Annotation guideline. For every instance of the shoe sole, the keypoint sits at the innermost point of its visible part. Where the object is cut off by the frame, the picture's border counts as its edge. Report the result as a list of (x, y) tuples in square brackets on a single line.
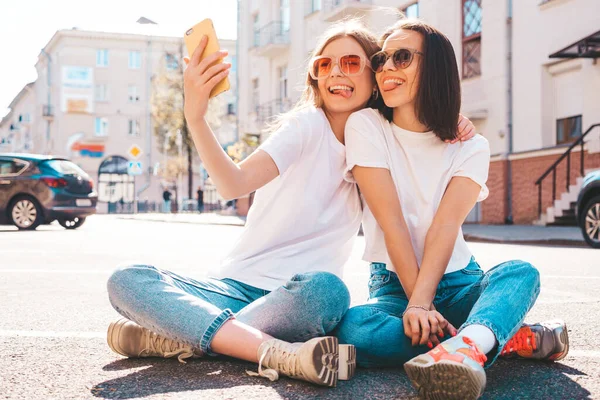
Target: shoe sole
[(325, 361), (112, 336), (564, 337), (347, 362), (444, 380)]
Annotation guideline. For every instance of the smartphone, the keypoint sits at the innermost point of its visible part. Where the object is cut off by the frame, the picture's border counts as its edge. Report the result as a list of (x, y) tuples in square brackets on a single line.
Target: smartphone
[(192, 39)]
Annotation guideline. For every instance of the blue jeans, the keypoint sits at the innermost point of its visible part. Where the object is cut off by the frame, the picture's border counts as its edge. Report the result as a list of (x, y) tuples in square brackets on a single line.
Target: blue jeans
[(191, 311), (498, 299), (167, 206)]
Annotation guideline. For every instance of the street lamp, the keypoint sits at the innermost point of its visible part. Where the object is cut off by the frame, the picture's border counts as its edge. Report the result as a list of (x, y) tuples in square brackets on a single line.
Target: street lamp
[(146, 21)]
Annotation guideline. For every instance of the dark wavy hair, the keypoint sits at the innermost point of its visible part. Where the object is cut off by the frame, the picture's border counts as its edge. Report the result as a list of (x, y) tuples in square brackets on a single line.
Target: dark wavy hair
[(438, 99)]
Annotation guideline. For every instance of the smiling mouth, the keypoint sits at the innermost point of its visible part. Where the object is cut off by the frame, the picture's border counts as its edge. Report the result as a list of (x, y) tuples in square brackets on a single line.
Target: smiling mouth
[(341, 90), (392, 83)]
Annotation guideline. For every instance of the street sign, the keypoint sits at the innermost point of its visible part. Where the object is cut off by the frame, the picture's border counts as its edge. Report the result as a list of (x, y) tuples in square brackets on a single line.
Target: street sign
[(135, 168), (135, 151)]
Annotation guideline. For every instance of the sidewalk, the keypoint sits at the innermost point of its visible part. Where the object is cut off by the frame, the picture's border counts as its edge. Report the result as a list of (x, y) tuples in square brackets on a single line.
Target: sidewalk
[(525, 234), (515, 234)]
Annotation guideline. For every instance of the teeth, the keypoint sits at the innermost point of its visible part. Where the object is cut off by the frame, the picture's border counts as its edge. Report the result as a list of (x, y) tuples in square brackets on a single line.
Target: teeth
[(398, 81), (339, 87)]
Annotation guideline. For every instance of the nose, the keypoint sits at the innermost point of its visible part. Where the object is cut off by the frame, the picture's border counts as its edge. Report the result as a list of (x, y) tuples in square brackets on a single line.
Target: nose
[(389, 65), (335, 71)]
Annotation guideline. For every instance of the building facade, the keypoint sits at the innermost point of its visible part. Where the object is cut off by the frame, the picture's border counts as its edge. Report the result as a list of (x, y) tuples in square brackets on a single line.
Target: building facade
[(529, 99), (91, 103)]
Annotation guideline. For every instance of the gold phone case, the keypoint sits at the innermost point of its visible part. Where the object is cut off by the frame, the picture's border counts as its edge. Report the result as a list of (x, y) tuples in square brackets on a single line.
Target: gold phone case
[(192, 39)]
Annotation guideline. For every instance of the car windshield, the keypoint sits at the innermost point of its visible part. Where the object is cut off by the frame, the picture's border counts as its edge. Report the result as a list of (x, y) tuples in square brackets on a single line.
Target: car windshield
[(65, 167)]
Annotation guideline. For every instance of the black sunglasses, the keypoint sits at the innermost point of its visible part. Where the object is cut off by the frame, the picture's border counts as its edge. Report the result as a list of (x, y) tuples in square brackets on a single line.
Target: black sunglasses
[(402, 58)]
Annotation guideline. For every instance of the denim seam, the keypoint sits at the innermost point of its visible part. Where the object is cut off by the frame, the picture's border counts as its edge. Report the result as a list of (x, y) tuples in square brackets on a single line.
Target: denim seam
[(211, 331)]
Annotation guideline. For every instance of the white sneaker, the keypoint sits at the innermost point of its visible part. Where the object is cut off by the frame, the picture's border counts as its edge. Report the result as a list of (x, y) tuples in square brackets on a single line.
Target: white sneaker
[(315, 361), (128, 339)]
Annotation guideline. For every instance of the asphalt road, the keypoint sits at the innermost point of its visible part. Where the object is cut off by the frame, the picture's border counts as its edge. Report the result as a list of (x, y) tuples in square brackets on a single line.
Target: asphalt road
[(54, 313)]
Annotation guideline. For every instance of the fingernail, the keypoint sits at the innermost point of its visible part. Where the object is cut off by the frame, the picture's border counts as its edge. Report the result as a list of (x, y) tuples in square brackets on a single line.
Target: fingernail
[(441, 334), (454, 333), (430, 345)]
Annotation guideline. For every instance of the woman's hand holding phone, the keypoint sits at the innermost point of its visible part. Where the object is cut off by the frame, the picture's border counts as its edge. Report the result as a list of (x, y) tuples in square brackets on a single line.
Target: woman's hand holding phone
[(199, 79)]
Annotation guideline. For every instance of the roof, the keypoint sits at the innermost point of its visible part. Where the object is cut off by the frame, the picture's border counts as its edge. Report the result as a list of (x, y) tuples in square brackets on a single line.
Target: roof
[(26, 89), (588, 47), (30, 156)]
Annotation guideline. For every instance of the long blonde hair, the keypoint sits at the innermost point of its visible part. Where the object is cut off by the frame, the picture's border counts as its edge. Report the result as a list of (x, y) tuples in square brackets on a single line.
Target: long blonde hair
[(311, 97)]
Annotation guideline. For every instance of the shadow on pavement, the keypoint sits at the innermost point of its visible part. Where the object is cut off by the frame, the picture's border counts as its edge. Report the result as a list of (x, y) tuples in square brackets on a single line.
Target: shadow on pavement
[(510, 379), (155, 376)]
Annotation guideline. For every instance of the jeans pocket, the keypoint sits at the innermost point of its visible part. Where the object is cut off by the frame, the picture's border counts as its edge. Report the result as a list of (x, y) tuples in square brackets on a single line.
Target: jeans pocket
[(472, 269)]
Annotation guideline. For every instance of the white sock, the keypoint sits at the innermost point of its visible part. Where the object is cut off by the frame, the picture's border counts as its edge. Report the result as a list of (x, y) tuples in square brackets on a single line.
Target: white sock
[(483, 337)]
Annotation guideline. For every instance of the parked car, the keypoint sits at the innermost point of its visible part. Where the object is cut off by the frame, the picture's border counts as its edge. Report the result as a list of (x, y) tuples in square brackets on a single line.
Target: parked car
[(37, 189), (588, 209)]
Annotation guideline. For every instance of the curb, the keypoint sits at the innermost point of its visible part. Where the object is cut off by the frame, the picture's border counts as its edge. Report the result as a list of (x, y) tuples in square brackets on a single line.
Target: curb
[(534, 242)]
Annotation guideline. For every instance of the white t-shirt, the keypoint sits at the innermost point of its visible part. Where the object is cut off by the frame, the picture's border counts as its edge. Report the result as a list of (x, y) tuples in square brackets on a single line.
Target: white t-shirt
[(304, 220), (421, 166)]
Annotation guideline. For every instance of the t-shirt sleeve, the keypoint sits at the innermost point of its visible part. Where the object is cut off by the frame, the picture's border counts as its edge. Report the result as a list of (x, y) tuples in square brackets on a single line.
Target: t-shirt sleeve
[(365, 144), (475, 164), (285, 145)]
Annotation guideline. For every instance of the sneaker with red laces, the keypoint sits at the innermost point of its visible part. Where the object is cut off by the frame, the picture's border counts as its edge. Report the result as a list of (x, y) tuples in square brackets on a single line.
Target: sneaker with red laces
[(542, 341), (452, 370)]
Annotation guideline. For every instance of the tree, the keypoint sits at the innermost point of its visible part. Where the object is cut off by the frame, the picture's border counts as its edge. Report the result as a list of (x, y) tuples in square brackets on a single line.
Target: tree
[(167, 112)]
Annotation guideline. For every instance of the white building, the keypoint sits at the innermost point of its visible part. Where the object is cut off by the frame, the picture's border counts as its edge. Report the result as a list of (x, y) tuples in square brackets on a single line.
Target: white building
[(529, 99), (91, 103)]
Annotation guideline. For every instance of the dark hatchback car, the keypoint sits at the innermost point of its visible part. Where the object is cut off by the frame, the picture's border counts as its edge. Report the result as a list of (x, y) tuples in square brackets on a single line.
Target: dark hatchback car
[(588, 209), (37, 189)]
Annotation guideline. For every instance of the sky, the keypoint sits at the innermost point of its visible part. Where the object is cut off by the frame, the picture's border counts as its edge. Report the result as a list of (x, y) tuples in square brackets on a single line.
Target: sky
[(26, 26)]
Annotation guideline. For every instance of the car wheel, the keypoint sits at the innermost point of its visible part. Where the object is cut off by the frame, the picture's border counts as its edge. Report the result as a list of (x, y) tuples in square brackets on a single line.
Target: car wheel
[(72, 223), (590, 222), (26, 213)]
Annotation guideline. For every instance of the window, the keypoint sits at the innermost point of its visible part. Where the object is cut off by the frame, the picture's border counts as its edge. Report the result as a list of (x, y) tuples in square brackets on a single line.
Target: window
[(568, 129), (471, 34), (233, 64), (10, 167), (230, 109), (135, 60), (411, 11), (171, 62), (283, 82), (102, 58), (134, 96), (314, 6), (134, 127), (101, 128), (26, 117), (284, 15), (256, 30), (101, 92), (255, 95)]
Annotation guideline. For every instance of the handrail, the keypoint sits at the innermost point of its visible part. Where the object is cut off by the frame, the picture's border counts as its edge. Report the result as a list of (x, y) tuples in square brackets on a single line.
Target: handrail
[(566, 154)]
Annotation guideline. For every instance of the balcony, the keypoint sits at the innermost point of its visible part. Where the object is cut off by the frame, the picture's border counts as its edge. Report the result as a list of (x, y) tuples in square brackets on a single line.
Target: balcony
[(271, 39), (268, 111), (48, 113), (334, 10)]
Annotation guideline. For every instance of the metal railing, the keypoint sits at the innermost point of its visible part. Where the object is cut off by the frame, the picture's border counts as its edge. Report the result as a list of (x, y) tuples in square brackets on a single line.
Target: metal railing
[(567, 154), (272, 33), (268, 111)]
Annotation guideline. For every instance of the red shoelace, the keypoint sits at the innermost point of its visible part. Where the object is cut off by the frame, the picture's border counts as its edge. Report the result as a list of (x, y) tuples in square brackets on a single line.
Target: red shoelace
[(523, 343)]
